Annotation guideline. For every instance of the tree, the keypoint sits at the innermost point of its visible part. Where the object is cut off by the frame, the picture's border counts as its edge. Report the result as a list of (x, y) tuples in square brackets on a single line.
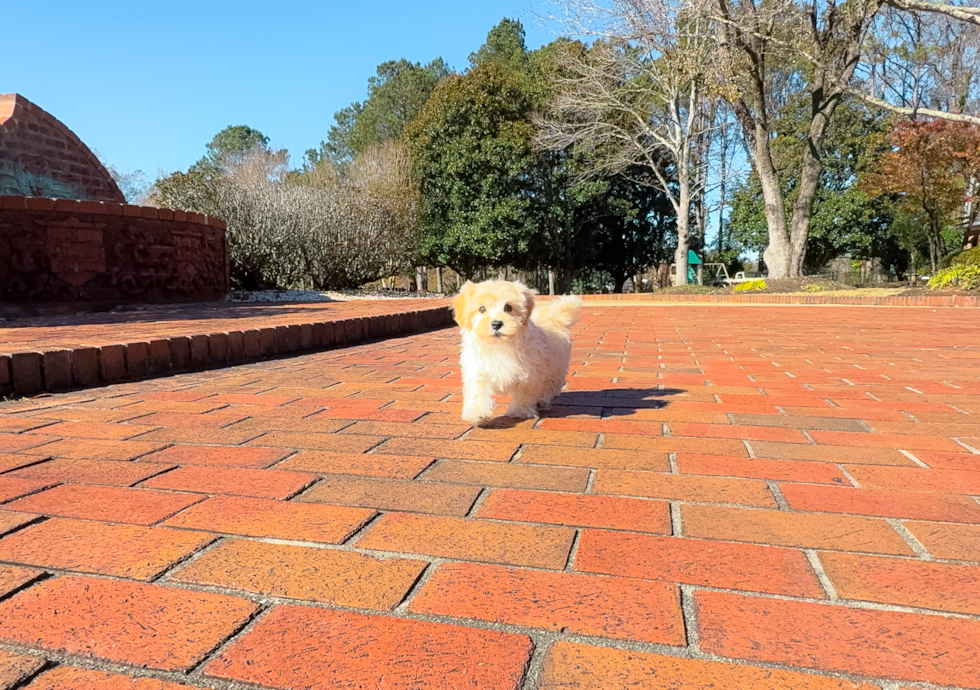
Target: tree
[(933, 167), (231, 146), (396, 95), (637, 98), (627, 229), (846, 218), (823, 44)]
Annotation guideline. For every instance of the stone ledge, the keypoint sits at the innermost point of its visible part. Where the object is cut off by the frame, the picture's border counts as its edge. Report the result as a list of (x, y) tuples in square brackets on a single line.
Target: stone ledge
[(38, 371)]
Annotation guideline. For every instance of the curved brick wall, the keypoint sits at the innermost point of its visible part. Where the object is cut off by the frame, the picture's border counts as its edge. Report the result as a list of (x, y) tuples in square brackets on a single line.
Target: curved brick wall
[(40, 156), (65, 251)]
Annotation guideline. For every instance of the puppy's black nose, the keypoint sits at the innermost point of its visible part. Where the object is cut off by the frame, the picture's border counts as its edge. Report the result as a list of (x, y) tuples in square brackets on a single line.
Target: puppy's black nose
[(496, 325)]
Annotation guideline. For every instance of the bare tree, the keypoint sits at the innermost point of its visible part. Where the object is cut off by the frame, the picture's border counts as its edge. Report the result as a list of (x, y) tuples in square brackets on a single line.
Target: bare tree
[(638, 97)]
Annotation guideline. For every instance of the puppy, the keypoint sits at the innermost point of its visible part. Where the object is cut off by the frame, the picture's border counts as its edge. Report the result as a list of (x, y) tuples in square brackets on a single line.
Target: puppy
[(511, 347)]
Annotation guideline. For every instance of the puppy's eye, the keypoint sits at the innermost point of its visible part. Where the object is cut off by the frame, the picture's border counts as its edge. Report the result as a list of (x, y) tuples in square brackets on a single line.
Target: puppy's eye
[(483, 310), (508, 308)]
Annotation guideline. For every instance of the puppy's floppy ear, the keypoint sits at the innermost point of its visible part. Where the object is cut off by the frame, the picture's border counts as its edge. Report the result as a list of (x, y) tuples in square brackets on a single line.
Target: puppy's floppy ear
[(459, 303), (529, 295)]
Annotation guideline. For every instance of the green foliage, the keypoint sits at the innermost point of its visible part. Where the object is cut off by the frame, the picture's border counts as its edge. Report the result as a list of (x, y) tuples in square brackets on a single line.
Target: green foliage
[(229, 147), (971, 257), (750, 286), (964, 276), (492, 198), (846, 219), (396, 95), (505, 47)]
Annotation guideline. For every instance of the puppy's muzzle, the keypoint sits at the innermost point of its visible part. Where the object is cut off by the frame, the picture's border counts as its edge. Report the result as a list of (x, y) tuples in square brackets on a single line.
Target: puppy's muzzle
[(496, 325)]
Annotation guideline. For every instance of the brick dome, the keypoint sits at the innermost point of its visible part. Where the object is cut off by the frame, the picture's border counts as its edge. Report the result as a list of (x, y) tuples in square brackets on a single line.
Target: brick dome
[(40, 156)]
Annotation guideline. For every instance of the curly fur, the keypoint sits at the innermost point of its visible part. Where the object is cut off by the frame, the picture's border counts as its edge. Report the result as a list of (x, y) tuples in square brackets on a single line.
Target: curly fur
[(525, 356)]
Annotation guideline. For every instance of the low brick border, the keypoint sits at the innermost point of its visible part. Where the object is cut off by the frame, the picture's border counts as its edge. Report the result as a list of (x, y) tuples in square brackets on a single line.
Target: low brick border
[(764, 298), (33, 372)]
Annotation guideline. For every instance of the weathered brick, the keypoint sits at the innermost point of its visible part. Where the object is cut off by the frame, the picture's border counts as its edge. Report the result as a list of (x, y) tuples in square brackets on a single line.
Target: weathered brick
[(459, 450), (27, 370), (106, 503), (16, 667), (571, 666), (364, 464), (112, 363), (591, 457), (217, 456), (85, 471), (896, 504), (300, 572), (471, 540), (126, 622), (13, 577), (99, 449), (684, 487), (238, 481), (509, 475), (180, 352), (159, 355), (778, 470), (137, 360), (605, 606), (65, 677), (120, 550), (890, 644), (96, 430), (256, 517), (345, 648), (392, 494), (955, 542), (578, 510), (766, 569), (804, 530), (57, 370), (904, 582), (200, 355)]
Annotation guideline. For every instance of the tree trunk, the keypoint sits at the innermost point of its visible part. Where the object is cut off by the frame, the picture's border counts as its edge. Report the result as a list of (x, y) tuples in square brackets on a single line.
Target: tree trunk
[(683, 229), (778, 255), (421, 278), (502, 274), (551, 282), (439, 280)]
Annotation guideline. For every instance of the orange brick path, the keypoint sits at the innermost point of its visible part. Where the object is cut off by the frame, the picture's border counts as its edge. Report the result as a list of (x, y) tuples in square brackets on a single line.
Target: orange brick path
[(724, 497)]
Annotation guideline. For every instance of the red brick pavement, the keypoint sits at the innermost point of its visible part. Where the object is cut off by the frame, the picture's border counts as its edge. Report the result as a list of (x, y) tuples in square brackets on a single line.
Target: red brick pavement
[(734, 497)]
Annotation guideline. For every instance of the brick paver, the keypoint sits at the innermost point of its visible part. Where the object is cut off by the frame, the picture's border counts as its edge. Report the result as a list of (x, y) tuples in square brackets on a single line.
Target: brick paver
[(748, 498)]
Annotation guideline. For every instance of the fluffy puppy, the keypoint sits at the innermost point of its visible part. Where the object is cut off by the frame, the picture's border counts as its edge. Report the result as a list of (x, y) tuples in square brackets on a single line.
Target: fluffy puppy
[(511, 347)]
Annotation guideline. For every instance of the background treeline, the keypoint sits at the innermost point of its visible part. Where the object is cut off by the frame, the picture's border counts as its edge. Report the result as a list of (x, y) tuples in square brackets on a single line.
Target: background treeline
[(596, 160)]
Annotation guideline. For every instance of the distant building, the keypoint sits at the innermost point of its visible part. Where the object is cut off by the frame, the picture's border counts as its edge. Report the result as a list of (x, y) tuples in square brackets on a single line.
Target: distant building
[(39, 156)]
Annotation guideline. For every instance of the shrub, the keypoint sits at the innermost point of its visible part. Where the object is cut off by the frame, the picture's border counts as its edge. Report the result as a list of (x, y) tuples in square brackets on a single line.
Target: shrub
[(321, 230), (750, 286), (971, 257), (965, 276)]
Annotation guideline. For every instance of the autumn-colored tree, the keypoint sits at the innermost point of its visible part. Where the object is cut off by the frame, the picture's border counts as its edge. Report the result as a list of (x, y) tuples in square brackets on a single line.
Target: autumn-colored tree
[(934, 166)]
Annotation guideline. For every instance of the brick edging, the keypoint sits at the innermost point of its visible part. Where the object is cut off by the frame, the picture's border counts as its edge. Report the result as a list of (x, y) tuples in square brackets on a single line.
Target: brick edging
[(857, 300), (33, 372), (108, 208)]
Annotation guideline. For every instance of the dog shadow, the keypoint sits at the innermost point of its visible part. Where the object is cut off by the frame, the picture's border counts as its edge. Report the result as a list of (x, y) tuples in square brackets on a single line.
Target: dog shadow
[(609, 402)]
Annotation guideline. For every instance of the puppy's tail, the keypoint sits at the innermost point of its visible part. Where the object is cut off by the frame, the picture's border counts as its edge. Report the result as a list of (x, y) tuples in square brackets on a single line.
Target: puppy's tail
[(559, 314)]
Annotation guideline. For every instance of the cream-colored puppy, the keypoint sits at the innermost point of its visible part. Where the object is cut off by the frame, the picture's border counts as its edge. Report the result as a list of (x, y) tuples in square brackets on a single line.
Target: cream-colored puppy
[(511, 347)]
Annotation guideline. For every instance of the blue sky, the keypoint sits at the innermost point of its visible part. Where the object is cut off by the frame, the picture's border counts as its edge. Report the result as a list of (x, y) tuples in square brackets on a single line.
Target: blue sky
[(147, 84)]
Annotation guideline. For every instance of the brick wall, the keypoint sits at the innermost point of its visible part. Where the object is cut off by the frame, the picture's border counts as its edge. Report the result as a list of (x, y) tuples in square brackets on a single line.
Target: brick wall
[(65, 251), (39, 156)]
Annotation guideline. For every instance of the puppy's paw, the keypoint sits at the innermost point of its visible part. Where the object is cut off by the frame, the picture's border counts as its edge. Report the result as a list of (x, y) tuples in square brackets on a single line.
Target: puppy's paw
[(477, 415), (522, 412)]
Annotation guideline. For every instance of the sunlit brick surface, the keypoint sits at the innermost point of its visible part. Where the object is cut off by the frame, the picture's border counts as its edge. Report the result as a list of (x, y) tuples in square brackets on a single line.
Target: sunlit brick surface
[(724, 497)]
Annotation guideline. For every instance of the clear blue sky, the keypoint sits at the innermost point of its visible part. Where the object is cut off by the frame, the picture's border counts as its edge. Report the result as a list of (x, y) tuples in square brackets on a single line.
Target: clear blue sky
[(147, 84)]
